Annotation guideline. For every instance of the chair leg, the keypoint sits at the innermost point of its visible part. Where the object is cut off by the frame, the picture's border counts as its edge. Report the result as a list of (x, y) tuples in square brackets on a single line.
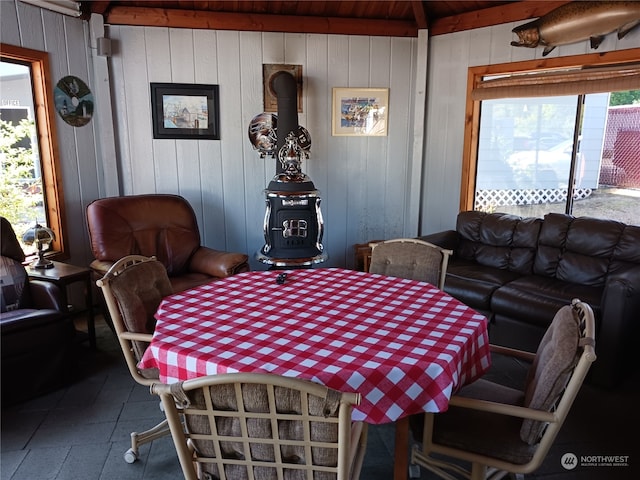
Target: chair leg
[(478, 471), (443, 469), (497, 474), (360, 453), (137, 439)]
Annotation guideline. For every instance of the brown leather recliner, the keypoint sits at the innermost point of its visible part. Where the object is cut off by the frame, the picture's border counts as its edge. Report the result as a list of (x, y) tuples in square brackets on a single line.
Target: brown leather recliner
[(159, 225), (36, 332)]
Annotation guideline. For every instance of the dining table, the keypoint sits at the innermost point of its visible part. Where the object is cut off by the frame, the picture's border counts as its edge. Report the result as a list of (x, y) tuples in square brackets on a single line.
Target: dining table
[(404, 345)]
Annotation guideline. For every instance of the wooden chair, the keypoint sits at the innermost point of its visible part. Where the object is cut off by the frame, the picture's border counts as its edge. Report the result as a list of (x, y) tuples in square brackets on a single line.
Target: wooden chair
[(133, 289), (263, 426), (502, 430), (410, 258)]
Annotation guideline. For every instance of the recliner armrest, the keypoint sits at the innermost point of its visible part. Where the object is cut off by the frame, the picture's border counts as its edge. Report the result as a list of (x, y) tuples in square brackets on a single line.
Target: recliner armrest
[(218, 263), (46, 295)]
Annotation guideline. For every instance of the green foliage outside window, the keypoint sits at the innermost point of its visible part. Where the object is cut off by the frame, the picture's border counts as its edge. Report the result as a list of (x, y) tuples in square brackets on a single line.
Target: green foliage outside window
[(20, 188), (630, 97)]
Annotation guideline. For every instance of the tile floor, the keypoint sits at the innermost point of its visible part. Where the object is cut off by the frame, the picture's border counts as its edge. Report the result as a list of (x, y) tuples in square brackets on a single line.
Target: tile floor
[(82, 431)]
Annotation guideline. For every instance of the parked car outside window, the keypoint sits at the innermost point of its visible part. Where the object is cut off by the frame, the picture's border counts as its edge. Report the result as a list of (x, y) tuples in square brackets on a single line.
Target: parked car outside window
[(545, 168)]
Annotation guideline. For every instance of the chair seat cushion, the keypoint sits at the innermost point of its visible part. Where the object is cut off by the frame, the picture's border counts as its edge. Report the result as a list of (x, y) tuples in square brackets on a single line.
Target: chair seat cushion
[(467, 429)]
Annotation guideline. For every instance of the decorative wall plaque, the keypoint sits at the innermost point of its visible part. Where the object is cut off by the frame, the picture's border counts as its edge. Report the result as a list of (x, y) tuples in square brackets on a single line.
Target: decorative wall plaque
[(73, 101)]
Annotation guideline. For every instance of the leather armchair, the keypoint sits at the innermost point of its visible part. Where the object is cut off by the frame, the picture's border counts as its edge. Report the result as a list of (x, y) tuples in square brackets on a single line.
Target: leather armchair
[(37, 335), (157, 225)]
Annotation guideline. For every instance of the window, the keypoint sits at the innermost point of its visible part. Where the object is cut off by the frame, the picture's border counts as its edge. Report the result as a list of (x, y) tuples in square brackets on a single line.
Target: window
[(552, 140), (31, 189)]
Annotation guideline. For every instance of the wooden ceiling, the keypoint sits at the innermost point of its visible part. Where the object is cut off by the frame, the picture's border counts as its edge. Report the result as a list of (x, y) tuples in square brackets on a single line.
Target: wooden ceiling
[(360, 17)]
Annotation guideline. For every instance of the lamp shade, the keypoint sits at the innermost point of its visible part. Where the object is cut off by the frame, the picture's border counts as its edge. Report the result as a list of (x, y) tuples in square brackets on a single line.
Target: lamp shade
[(40, 237)]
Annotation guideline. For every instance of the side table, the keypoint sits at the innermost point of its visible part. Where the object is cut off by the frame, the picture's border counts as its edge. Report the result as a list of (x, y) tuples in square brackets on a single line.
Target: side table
[(63, 275)]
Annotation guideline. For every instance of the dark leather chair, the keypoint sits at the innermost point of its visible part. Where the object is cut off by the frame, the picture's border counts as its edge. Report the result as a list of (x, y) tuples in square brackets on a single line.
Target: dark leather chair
[(157, 225), (36, 332)]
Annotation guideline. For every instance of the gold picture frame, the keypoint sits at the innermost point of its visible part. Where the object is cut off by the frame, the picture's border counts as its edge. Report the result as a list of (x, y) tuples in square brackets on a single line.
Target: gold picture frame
[(361, 112)]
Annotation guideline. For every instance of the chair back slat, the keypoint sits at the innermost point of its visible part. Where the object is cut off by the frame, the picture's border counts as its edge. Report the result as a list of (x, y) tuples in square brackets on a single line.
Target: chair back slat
[(261, 427)]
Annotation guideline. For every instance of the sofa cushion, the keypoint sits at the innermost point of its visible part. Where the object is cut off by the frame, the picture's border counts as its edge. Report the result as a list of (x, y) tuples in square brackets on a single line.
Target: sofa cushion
[(626, 254), (536, 299), (473, 284), (577, 250), (498, 240)]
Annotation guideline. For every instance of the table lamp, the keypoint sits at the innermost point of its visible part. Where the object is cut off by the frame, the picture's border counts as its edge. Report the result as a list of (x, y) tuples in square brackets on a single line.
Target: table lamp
[(41, 237)]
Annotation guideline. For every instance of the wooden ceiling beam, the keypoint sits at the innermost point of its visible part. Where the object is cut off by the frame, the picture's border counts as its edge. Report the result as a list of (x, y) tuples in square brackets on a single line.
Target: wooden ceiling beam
[(420, 14), (163, 17), (512, 12), (98, 6)]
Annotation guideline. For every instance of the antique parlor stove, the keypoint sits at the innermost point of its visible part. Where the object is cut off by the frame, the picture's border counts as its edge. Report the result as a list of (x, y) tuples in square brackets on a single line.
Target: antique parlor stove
[(293, 225)]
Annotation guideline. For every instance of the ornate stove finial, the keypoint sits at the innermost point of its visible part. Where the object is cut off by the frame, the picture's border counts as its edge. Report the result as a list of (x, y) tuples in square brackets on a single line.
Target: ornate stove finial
[(290, 156)]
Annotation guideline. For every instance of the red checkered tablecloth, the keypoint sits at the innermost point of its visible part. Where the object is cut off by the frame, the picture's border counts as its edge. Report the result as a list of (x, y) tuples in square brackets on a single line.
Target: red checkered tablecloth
[(404, 345)]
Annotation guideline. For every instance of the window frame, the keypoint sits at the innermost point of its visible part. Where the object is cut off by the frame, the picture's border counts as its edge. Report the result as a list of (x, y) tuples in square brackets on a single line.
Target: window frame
[(44, 113), (472, 114)]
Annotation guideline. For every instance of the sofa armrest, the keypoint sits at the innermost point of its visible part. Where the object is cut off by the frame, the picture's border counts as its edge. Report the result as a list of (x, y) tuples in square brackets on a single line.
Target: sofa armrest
[(618, 329), (46, 295), (218, 263), (447, 239)]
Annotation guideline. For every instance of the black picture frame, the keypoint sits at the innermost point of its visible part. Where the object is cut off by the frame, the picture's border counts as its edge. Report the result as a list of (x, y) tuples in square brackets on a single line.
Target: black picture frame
[(185, 111)]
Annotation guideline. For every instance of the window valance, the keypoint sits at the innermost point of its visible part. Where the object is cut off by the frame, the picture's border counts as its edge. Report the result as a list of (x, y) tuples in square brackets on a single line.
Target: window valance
[(560, 82)]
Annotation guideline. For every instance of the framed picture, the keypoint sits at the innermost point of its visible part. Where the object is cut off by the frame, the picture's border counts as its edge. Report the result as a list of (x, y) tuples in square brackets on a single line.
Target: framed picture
[(185, 111), (360, 111)]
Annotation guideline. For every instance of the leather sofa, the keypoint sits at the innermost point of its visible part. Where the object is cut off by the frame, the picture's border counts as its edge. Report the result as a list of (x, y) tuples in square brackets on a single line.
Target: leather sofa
[(37, 335), (520, 271), (159, 225)]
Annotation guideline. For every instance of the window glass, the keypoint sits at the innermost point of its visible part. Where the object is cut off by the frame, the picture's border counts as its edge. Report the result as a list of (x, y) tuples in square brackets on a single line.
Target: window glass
[(526, 164), (21, 184), (30, 181)]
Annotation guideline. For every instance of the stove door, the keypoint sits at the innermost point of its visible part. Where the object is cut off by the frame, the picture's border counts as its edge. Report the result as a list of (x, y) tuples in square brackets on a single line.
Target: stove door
[(293, 229)]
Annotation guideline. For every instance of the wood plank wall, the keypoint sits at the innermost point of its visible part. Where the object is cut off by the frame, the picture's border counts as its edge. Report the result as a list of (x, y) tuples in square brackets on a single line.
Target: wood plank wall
[(363, 181)]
